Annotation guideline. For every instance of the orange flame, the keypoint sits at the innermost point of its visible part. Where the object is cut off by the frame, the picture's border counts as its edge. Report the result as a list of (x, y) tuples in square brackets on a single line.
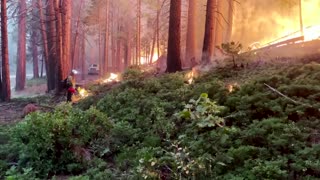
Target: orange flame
[(83, 92), (113, 78)]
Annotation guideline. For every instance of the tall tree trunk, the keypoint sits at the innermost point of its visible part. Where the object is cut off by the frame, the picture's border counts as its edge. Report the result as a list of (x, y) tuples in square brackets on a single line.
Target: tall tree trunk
[(218, 26), (152, 46), (21, 53), (5, 79), (51, 37), (35, 59), (300, 16), (118, 58), (191, 34), (138, 43), (34, 41), (83, 58), (99, 43), (66, 34), (73, 50), (208, 42), (158, 22), (44, 42), (174, 57), (59, 55), (106, 40), (230, 21)]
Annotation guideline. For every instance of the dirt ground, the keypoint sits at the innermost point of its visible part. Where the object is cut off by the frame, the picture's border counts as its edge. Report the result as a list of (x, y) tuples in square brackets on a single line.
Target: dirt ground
[(12, 112)]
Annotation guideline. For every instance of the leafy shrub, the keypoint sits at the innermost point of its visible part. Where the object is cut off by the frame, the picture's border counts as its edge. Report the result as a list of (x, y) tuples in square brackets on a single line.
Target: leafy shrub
[(132, 72), (57, 142)]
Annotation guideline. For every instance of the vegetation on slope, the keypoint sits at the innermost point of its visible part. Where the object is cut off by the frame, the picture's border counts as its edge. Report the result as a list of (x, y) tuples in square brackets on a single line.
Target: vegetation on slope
[(164, 128)]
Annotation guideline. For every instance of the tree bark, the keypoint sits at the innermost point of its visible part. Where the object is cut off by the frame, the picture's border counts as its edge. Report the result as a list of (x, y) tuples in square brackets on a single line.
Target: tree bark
[(106, 40), (208, 42), (35, 59), (191, 34), (21, 53), (230, 21), (73, 50), (138, 43), (53, 56), (44, 41), (83, 50), (59, 55), (34, 41), (5, 79), (174, 57), (66, 35), (218, 26)]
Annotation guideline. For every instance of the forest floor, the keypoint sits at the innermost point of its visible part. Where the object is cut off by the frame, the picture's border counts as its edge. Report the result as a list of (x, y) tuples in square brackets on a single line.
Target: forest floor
[(34, 93)]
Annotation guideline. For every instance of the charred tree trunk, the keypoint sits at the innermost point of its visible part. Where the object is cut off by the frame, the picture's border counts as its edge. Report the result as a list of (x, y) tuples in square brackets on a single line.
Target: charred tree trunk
[(21, 53), (208, 42), (191, 34), (174, 58), (5, 79)]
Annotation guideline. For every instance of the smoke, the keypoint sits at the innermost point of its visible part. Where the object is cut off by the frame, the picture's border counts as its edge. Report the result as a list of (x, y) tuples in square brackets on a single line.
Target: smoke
[(264, 21)]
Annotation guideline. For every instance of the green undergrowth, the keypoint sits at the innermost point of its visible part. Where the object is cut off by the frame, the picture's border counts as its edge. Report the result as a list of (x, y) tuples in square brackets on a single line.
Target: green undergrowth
[(245, 123)]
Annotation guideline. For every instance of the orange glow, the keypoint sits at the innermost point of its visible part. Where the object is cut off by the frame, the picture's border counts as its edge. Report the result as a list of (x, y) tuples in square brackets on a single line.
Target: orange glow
[(289, 27), (190, 77), (82, 92), (230, 88), (113, 78)]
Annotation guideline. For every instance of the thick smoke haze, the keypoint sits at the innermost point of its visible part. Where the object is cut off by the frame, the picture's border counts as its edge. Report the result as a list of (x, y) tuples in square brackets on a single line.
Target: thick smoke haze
[(264, 21)]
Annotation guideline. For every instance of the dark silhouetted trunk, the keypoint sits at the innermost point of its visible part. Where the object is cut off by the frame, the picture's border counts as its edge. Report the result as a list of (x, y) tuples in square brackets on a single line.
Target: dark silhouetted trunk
[(208, 42), (21, 53), (5, 79), (174, 58)]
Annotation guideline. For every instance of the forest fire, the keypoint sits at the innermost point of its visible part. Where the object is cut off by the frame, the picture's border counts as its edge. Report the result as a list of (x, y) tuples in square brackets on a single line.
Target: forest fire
[(83, 93), (113, 78), (190, 76)]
